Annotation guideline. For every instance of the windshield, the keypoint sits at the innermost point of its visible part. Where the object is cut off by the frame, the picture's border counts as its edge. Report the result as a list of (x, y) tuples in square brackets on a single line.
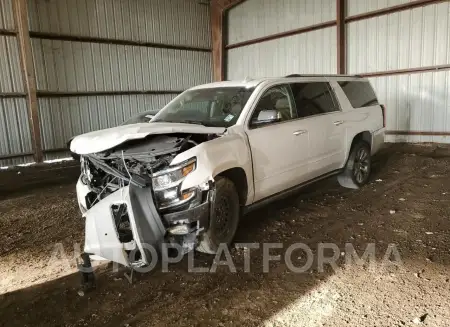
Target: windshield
[(219, 107)]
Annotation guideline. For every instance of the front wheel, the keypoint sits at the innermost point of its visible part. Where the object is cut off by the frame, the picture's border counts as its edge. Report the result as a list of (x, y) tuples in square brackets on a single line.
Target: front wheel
[(357, 169), (225, 218)]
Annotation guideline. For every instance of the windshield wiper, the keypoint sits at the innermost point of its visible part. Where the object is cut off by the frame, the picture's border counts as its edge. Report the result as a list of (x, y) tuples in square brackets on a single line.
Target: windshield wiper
[(191, 122), (186, 121)]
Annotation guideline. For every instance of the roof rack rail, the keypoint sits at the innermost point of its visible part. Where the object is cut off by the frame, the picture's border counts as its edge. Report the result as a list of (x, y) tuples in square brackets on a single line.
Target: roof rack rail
[(323, 75)]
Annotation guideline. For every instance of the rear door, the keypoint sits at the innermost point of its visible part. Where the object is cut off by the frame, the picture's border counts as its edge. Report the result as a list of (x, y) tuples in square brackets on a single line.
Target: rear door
[(319, 108), (280, 150), (361, 110)]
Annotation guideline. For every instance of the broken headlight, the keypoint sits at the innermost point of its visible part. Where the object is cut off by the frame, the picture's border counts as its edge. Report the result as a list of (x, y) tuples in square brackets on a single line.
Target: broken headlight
[(167, 185)]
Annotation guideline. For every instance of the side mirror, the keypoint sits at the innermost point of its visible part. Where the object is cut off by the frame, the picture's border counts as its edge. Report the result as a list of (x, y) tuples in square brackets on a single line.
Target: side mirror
[(267, 116)]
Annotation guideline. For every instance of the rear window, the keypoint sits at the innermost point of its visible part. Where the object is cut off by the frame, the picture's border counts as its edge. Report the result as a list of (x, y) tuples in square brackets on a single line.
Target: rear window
[(360, 94), (313, 99)]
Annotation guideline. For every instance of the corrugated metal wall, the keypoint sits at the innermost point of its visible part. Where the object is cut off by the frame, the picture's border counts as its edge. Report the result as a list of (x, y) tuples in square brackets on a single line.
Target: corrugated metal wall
[(312, 52), (61, 118), (80, 47), (257, 18), (85, 46), (68, 66), (11, 77), (416, 102), (356, 7), (177, 22), (15, 135), (14, 125), (6, 14), (71, 66), (408, 39)]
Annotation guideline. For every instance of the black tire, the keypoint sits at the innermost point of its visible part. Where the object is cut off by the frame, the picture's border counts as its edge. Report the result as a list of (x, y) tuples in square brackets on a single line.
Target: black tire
[(357, 169), (225, 220)]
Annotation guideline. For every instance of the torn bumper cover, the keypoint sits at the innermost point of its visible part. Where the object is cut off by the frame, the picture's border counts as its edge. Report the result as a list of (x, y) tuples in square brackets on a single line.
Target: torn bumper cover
[(135, 195), (126, 227)]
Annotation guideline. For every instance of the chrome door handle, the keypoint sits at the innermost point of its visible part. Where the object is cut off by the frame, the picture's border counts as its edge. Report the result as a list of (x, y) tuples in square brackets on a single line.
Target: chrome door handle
[(338, 122), (297, 133)]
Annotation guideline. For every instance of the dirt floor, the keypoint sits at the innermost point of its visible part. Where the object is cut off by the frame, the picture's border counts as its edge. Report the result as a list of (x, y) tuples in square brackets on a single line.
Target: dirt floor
[(17, 179), (406, 204)]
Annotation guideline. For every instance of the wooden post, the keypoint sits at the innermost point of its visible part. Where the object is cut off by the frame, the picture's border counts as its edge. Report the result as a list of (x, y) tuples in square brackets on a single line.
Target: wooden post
[(218, 10), (217, 41), (27, 67), (341, 41)]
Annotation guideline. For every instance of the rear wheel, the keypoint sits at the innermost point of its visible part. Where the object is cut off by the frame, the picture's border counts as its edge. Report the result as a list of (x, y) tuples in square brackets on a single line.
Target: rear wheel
[(224, 220), (357, 169)]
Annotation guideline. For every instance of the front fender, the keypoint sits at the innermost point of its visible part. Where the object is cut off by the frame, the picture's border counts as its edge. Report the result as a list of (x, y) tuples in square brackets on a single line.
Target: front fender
[(217, 156)]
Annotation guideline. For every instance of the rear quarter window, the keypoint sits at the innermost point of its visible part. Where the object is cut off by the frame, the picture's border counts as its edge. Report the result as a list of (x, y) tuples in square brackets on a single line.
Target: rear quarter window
[(360, 94)]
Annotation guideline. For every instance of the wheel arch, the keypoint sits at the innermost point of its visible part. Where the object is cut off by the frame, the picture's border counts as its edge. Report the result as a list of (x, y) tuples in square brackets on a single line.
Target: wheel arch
[(347, 178), (365, 136), (239, 178)]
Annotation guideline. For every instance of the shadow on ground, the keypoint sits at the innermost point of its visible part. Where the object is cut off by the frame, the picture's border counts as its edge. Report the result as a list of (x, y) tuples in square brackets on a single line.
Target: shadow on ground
[(407, 180)]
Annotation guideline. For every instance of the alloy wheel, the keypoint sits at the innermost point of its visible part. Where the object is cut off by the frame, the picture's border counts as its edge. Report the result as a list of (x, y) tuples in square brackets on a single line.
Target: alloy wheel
[(361, 168)]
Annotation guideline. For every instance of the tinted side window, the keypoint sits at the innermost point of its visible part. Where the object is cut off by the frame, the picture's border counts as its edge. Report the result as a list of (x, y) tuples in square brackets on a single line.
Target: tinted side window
[(313, 98), (276, 99), (360, 94)]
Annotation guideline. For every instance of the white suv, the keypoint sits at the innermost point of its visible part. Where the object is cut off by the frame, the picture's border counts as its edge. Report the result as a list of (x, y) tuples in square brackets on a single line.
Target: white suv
[(218, 150)]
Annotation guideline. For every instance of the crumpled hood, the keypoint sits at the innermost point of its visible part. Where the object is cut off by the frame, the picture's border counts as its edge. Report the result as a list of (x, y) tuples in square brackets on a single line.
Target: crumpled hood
[(105, 139)]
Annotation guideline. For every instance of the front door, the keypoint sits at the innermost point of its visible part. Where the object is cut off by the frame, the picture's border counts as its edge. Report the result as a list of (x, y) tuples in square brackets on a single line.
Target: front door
[(279, 149)]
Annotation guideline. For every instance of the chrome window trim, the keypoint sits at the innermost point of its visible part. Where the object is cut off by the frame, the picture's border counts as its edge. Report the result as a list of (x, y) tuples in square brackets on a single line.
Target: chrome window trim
[(333, 95)]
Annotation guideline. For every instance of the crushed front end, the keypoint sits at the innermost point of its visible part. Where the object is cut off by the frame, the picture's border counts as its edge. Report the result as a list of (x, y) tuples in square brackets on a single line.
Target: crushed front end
[(133, 202)]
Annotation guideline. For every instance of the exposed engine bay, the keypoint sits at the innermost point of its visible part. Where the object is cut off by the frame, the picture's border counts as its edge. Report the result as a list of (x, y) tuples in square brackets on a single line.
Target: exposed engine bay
[(133, 198), (133, 162)]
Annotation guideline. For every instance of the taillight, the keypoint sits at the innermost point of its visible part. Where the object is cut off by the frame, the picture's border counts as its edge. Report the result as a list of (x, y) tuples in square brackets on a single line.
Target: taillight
[(383, 112)]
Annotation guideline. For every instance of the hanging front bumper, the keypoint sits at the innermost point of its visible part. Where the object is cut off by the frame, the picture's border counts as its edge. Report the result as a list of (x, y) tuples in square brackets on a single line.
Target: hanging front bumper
[(101, 234), (149, 229)]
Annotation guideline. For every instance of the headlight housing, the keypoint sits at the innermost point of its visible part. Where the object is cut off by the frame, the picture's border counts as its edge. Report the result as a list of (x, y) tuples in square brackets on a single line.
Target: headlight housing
[(167, 185), (173, 176)]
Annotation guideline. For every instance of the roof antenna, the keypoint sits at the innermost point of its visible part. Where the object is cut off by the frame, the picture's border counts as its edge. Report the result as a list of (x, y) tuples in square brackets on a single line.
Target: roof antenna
[(248, 79)]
